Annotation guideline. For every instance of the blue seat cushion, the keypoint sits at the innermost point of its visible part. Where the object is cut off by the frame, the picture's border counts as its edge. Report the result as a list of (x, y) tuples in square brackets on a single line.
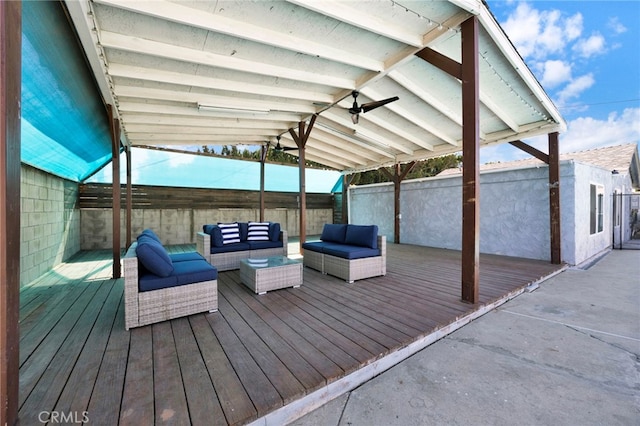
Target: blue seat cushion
[(333, 232), (350, 252), (216, 234), (227, 248), (154, 257), (186, 272), (274, 231), (316, 246), (194, 271), (362, 235), (256, 245), (181, 257)]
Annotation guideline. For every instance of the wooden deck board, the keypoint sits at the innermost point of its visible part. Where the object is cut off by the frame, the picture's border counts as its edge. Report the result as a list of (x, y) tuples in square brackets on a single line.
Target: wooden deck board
[(256, 354)]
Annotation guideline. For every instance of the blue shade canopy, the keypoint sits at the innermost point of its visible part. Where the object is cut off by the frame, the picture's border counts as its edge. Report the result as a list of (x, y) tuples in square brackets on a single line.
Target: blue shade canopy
[(64, 121), (165, 168)]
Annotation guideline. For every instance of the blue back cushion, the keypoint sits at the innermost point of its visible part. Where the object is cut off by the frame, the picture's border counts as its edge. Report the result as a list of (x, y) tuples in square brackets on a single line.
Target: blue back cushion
[(334, 232), (149, 233), (216, 234), (244, 230), (154, 257), (274, 231), (362, 235)]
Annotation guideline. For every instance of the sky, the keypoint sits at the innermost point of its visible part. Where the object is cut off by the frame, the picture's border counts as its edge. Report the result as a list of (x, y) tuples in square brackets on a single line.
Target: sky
[(586, 56)]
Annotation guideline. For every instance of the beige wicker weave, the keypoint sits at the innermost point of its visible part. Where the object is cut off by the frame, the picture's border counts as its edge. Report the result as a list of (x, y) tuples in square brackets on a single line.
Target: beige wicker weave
[(148, 307), (349, 270), (274, 273), (231, 260)]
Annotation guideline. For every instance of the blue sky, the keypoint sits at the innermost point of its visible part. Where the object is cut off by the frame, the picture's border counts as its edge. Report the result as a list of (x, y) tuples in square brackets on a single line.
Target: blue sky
[(586, 55)]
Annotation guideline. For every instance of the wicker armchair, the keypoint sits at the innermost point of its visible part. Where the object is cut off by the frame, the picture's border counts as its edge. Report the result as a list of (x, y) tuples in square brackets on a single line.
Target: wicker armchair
[(349, 270), (148, 307)]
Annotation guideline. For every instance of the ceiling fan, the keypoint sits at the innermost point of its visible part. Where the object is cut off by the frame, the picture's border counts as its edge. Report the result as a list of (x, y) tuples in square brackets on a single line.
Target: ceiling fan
[(355, 110), (280, 148)]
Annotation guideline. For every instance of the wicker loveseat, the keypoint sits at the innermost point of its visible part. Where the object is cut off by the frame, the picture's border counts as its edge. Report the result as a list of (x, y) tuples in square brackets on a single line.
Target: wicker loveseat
[(224, 247), (350, 252), (159, 286)]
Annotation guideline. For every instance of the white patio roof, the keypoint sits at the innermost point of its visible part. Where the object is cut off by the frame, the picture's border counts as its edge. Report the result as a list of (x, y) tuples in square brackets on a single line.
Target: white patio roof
[(266, 65)]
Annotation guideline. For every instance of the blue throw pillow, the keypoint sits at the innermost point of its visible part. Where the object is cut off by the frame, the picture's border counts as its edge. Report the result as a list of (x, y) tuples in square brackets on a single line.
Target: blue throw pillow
[(154, 257), (362, 235), (334, 232), (274, 231)]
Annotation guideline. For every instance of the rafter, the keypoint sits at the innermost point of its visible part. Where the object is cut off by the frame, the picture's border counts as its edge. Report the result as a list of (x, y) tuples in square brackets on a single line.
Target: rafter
[(232, 27), (150, 74), (218, 101), (194, 56)]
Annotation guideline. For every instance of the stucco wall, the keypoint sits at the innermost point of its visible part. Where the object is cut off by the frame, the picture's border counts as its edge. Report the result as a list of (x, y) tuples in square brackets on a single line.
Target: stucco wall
[(49, 222), (179, 226), (588, 245), (514, 212)]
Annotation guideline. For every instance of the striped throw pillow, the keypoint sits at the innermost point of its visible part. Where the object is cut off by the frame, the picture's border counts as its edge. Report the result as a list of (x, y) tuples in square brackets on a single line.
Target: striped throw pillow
[(230, 233), (258, 231)]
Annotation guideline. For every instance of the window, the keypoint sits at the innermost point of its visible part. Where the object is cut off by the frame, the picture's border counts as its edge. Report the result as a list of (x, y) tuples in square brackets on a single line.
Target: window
[(597, 209)]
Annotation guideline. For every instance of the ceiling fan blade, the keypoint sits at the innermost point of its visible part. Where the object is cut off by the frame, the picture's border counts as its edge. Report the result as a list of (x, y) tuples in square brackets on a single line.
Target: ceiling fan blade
[(373, 105)]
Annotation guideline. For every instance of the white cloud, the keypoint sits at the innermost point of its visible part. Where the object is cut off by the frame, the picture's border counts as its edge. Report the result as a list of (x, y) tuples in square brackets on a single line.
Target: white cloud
[(587, 132), (538, 34), (616, 26), (582, 134), (588, 47), (575, 88), (555, 73), (573, 26)]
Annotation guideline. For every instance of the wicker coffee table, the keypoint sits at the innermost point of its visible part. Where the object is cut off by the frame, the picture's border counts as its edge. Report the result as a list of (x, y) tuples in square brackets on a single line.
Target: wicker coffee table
[(270, 273)]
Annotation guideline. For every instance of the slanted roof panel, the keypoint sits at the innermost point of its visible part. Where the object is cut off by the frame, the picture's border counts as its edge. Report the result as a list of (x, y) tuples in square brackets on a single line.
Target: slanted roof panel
[(284, 62)]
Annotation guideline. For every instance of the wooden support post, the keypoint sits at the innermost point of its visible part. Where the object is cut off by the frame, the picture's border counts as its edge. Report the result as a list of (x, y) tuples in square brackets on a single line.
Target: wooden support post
[(10, 83), (114, 126), (397, 177), (554, 198), (263, 159), (470, 156), (129, 196), (553, 160), (301, 141)]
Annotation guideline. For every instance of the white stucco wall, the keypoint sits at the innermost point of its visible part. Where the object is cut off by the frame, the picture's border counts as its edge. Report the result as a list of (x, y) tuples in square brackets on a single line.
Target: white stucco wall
[(587, 245), (514, 211)]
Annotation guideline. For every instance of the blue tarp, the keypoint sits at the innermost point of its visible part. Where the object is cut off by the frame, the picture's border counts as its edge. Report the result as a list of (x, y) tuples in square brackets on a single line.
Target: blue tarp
[(64, 121), (167, 168)]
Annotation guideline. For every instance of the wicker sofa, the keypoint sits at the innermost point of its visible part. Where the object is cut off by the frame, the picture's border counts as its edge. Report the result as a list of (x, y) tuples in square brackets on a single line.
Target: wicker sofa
[(225, 254), (159, 286), (350, 252)]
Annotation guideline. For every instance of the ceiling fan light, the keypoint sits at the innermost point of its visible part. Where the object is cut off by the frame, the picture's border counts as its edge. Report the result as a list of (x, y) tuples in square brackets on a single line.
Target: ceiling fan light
[(355, 118)]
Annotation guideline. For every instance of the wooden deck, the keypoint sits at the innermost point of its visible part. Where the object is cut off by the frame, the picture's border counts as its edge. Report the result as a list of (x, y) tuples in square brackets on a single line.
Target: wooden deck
[(250, 359)]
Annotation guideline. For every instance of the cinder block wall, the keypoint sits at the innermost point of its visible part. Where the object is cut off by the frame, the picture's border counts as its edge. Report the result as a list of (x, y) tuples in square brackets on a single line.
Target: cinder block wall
[(179, 226), (49, 222)]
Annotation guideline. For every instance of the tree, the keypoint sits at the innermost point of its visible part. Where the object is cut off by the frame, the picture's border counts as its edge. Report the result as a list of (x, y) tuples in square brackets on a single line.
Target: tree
[(425, 168)]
